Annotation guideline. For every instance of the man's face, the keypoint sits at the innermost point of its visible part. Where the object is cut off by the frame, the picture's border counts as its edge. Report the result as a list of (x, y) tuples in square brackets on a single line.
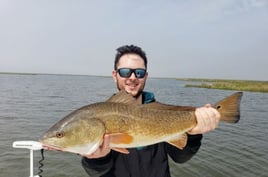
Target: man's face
[(132, 85)]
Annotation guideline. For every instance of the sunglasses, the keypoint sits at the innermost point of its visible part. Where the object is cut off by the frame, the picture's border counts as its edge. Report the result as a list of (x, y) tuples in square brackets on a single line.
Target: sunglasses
[(126, 72)]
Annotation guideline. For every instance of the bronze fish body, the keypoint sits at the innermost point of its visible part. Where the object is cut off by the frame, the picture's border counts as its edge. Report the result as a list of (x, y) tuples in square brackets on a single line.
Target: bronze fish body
[(130, 124)]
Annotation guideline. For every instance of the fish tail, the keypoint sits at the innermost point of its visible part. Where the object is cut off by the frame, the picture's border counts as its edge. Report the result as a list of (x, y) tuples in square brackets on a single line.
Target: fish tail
[(229, 108)]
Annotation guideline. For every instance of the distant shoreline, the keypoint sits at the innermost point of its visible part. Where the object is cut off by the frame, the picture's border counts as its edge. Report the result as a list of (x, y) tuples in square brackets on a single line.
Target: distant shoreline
[(11, 73), (223, 84), (14, 73)]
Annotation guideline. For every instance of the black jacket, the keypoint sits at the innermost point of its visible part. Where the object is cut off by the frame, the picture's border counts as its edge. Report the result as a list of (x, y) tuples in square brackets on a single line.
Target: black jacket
[(149, 161)]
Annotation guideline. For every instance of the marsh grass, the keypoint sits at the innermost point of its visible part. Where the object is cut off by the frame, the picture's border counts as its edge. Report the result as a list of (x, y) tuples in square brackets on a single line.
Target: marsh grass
[(240, 85)]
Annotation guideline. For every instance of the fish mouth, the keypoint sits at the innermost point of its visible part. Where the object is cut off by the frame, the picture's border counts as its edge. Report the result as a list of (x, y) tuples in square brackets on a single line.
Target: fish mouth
[(50, 147)]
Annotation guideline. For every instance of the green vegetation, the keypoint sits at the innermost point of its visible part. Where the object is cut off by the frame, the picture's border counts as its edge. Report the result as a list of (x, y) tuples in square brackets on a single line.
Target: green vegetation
[(241, 85)]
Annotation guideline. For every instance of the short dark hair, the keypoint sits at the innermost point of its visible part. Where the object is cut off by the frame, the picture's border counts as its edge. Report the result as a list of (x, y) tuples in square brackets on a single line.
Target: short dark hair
[(129, 49)]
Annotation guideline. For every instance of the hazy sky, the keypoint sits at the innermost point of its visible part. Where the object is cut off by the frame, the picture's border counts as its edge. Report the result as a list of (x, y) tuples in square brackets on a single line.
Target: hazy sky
[(225, 39)]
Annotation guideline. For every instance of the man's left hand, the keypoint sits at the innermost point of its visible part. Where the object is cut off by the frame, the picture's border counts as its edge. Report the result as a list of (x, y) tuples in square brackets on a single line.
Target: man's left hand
[(207, 120)]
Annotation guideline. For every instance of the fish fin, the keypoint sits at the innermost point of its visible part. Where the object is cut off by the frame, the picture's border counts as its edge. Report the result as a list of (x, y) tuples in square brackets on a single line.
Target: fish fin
[(123, 97), (229, 108), (179, 142), (120, 138), (121, 150)]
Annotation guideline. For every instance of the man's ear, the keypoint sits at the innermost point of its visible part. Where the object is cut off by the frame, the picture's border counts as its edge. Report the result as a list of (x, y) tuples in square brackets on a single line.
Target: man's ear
[(114, 75)]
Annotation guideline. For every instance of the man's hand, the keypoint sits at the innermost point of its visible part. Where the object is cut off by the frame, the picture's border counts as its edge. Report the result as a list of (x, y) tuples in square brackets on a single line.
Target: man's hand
[(207, 120), (103, 150)]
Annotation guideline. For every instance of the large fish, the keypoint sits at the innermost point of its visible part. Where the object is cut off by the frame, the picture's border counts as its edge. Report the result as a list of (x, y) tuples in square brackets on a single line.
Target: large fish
[(129, 124)]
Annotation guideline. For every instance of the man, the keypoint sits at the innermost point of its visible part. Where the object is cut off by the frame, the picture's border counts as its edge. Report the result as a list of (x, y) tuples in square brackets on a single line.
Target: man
[(130, 74)]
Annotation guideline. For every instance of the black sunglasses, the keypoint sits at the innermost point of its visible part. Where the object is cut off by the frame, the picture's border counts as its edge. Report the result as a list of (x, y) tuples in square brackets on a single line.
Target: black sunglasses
[(126, 72)]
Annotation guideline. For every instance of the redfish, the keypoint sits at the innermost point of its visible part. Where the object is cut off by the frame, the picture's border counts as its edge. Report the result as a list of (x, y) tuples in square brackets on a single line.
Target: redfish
[(130, 124)]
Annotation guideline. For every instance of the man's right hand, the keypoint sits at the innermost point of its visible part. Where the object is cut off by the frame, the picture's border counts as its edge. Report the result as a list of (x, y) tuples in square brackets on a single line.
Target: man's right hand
[(102, 151)]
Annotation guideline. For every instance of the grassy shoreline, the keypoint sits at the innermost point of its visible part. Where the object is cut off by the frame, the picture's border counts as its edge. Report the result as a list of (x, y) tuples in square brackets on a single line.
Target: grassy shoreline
[(223, 84)]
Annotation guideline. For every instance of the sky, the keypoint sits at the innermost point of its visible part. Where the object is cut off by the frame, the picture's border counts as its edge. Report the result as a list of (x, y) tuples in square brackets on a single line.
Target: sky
[(217, 39)]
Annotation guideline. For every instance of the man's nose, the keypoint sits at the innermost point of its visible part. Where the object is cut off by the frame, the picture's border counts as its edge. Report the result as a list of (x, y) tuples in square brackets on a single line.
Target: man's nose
[(132, 76)]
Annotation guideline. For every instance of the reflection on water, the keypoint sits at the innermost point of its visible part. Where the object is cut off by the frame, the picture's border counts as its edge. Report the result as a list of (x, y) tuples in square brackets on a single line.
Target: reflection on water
[(30, 104)]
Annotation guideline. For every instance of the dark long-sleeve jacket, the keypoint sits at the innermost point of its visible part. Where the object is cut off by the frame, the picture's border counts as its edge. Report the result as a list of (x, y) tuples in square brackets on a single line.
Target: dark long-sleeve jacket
[(149, 161)]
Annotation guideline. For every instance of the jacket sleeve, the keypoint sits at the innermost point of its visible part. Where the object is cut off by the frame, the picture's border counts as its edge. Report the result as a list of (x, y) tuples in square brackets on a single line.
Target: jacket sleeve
[(97, 167), (191, 148)]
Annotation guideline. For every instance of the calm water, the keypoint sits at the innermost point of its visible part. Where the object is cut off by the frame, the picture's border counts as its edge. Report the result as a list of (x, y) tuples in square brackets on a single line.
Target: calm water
[(30, 104)]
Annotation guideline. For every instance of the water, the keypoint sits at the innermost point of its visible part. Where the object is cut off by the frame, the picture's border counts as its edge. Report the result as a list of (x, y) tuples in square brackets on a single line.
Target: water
[(30, 104)]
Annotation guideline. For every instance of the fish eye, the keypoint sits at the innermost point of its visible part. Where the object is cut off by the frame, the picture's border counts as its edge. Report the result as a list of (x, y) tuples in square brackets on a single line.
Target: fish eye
[(59, 134)]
